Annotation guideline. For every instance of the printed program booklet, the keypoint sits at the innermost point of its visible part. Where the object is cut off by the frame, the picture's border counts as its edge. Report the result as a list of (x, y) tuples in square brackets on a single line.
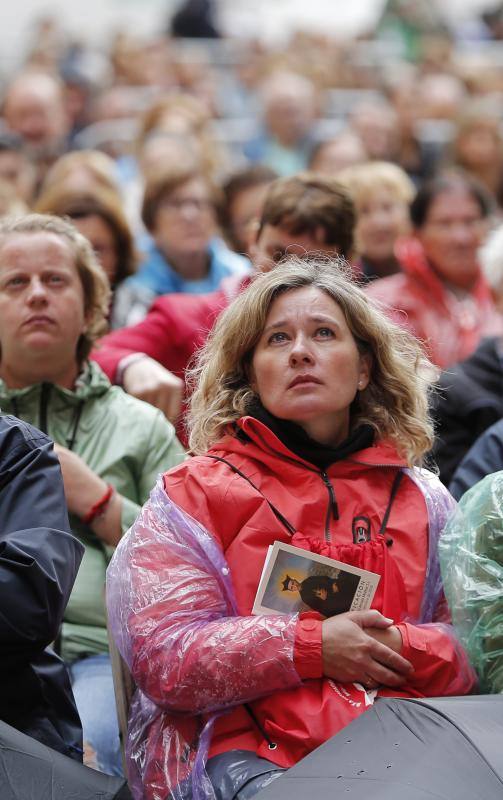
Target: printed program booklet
[(295, 580)]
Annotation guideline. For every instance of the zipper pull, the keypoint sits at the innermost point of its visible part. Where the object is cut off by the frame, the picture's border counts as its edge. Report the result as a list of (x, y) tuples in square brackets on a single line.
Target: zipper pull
[(333, 501)]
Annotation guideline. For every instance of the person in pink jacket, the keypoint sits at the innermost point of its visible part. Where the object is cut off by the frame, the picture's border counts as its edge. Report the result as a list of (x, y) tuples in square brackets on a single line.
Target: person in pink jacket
[(309, 413), (441, 295)]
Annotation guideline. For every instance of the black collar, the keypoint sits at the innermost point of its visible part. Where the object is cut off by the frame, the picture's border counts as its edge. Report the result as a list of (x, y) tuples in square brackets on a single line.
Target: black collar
[(297, 440)]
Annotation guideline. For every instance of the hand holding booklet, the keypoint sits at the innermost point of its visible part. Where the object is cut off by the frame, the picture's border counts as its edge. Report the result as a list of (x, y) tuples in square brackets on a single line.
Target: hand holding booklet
[(295, 580)]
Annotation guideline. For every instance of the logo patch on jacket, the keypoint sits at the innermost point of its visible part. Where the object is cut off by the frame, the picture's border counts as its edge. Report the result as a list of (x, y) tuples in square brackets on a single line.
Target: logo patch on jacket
[(361, 530)]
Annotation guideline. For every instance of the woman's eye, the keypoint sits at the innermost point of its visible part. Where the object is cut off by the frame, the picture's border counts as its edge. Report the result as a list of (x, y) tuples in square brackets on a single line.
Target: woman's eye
[(279, 336), (55, 279), (325, 333)]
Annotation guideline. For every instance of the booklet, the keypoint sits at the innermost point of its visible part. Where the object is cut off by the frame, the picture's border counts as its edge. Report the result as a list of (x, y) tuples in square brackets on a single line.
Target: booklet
[(295, 580)]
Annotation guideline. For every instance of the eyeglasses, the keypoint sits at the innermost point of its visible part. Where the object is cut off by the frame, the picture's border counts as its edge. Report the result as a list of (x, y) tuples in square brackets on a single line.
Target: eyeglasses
[(178, 205)]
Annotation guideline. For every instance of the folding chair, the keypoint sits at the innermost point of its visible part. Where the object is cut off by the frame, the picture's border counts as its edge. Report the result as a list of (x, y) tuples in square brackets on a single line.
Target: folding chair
[(124, 688)]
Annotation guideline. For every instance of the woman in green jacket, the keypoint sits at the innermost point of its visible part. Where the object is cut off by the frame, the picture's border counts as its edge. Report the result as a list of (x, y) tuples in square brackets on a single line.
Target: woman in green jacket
[(53, 305)]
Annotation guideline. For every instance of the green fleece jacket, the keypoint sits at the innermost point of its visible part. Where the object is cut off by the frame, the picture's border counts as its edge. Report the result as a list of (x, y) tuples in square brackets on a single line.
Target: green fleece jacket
[(124, 441)]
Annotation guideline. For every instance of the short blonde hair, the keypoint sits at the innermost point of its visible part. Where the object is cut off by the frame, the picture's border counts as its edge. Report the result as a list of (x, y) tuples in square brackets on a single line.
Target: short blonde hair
[(395, 403), (99, 166), (92, 277), (361, 180)]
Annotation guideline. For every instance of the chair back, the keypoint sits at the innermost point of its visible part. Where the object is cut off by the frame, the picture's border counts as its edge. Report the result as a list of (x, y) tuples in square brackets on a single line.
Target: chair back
[(124, 688)]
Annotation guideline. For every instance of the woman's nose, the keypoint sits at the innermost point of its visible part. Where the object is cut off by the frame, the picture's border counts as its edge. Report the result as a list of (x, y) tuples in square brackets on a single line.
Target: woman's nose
[(300, 352)]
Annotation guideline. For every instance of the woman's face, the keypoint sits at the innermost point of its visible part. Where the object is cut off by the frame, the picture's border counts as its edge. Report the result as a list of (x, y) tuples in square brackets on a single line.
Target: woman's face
[(185, 220), (306, 367), (451, 235), (382, 218), (102, 240), (41, 302), (480, 146)]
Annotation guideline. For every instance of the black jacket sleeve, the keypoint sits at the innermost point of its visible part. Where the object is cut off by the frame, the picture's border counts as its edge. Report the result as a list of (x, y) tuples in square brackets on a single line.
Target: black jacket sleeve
[(484, 458), (39, 557)]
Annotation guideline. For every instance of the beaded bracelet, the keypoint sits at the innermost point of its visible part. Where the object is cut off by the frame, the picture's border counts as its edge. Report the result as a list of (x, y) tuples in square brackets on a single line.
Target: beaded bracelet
[(99, 508)]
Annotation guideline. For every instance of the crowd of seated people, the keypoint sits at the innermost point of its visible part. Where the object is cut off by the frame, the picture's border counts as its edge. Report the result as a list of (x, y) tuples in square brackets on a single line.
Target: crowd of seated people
[(248, 298)]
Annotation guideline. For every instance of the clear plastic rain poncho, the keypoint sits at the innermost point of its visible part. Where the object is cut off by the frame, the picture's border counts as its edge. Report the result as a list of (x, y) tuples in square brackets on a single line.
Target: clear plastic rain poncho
[(173, 616), (471, 555), (181, 633)]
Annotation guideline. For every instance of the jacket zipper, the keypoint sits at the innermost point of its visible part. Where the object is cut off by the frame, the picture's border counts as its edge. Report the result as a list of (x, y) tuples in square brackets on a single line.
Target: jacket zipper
[(332, 508), (45, 394)]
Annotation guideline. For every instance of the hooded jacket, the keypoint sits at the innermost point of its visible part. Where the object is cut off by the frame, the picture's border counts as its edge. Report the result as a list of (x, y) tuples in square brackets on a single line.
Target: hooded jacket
[(193, 651), (417, 299), (124, 441), (38, 564)]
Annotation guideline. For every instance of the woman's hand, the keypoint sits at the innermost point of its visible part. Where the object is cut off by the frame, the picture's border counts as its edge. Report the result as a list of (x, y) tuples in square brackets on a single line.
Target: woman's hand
[(391, 637), (363, 646), (150, 381), (83, 488)]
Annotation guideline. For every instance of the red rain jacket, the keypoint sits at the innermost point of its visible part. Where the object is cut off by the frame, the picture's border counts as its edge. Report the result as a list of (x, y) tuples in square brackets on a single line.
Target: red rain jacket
[(417, 299), (298, 718), (174, 328)]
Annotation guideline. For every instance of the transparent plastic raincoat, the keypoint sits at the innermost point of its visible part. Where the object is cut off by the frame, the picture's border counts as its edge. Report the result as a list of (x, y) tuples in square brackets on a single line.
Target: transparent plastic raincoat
[(471, 555), (180, 597)]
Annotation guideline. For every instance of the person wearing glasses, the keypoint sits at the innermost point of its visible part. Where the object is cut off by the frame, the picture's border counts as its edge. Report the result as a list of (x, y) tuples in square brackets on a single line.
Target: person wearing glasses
[(183, 252)]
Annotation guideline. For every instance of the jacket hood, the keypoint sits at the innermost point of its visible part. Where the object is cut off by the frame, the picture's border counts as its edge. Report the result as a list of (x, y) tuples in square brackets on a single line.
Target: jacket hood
[(383, 453), (92, 382)]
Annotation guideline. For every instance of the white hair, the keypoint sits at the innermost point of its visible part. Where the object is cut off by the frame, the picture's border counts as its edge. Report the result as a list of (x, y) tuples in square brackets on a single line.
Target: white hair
[(491, 259)]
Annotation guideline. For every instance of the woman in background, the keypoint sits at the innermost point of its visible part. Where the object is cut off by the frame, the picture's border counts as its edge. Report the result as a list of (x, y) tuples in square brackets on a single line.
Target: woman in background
[(99, 216)]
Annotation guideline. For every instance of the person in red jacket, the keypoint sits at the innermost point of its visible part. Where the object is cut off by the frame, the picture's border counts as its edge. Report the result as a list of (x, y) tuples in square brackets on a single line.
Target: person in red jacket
[(309, 413), (305, 213), (441, 295)]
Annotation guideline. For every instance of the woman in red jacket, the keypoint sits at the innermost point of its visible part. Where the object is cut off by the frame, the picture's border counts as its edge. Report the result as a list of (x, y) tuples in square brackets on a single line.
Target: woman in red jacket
[(309, 414)]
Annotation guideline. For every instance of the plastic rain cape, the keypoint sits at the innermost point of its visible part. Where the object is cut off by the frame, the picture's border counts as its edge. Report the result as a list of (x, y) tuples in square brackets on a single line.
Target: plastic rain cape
[(175, 623), (195, 609), (471, 555)]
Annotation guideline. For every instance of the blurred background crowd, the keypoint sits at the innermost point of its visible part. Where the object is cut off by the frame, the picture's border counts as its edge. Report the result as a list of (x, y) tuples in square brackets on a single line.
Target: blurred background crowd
[(418, 88)]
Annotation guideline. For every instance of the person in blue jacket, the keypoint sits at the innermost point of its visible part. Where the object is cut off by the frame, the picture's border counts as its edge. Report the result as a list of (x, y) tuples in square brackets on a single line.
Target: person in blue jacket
[(39, 559), (183, 252)]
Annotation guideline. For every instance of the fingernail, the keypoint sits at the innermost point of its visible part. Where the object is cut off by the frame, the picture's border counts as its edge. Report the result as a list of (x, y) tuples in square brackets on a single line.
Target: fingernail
[(388, 619)]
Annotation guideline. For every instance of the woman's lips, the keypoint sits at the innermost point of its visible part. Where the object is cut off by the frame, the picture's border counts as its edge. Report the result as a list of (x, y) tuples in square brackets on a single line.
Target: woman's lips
[(303, 380), (38, 319)]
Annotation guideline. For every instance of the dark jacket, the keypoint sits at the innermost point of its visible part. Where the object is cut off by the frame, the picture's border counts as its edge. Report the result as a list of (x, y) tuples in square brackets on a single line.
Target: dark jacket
[(469, 400), (39, 559), (484, 458)]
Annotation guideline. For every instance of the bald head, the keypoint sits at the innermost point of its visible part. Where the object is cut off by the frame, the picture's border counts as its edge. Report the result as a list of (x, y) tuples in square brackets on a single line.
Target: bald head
[(34, 109)]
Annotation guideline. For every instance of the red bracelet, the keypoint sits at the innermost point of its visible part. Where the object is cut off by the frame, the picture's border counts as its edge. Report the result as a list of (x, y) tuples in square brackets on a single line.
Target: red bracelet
[(100, 507)]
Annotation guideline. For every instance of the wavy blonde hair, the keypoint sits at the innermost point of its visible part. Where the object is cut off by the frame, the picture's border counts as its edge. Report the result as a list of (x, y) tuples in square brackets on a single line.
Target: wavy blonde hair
[(395, 403)]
